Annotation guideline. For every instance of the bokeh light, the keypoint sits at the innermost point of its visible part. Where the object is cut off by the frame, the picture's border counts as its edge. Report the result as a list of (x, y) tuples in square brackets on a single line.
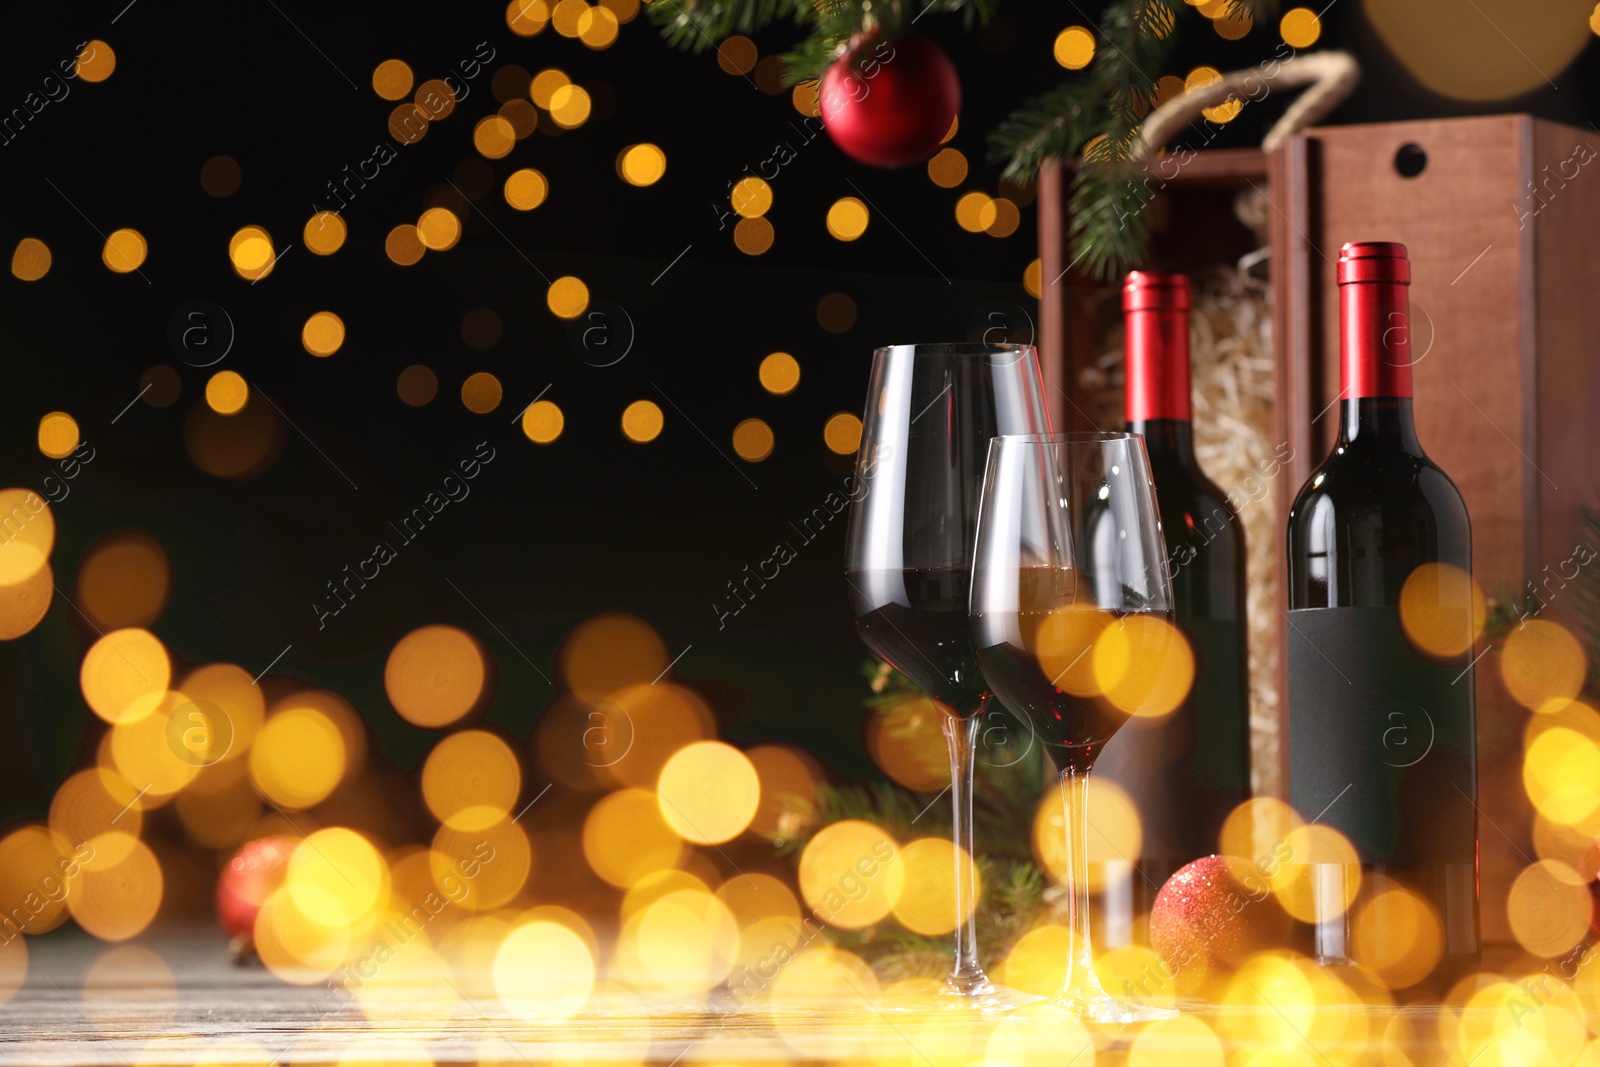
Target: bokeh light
[(435, 675), (753, 440), (543, 422), (125, 675), (751, 197), (1300, 27), (779, 373), (625, 838), (30, 528), (324, 233), (439, 227), (567, 297), (851, 874), (609, 653), (642, 421), (124, 251), (481, 393), (543, 971), (708, 792), (298, 758), (30, 260), (1143, 665), (58, 435), (1543, 665), (322, 333), (227, 392), (753, 236), (392, 79), (125, 580), (471, 780), (404, 245), (1116, 834), (335, 876), (641, 164), (95, 61), (842, 433), (221, 176), (570, 106), (948, 168), (114, 899), (1074, 47), (417, 385), (930, 868), (526, 189), (251, 253), (847, 218), (1442, 610)]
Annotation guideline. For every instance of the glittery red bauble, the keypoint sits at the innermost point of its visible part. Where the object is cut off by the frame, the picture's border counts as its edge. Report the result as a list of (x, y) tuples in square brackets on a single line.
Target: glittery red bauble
[(889, 103), (248, 879), (1207, 920)]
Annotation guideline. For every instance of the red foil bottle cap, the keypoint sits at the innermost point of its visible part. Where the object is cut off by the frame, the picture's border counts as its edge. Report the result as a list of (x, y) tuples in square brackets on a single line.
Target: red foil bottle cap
[(1374, 320), (1155, 307)]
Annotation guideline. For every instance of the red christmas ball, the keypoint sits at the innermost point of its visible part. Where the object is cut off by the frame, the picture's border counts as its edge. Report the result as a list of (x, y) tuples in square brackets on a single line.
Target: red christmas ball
[(889, 103), (249, 878), (1211, 914)]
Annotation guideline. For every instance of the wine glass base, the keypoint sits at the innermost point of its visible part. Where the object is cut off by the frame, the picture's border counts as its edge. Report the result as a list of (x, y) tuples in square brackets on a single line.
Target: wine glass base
[(1101, 1007), (981, 996)]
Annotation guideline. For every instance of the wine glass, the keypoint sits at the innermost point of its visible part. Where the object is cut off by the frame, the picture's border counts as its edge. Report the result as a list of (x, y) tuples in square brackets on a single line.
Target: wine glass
[(1072, 621), (931, 412)]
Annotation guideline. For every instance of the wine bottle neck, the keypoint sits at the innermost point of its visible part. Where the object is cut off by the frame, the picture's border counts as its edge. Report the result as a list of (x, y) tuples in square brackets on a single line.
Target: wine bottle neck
[(1375, 356), (1378, 418), (1156, 357), (1166, 438), (1375, 352)]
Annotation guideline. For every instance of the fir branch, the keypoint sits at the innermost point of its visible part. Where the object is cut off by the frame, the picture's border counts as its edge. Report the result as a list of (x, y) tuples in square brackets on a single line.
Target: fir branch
[(696, 25)]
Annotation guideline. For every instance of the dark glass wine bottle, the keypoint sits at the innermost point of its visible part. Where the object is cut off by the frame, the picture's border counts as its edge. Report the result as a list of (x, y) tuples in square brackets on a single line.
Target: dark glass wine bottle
[(1382, 736), (1184, 771)]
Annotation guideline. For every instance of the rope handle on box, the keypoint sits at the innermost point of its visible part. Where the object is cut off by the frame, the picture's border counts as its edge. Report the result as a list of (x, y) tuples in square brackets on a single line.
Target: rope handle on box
[(1331, 75)]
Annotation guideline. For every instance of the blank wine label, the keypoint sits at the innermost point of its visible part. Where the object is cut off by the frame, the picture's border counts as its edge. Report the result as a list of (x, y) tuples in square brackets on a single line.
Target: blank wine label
[(1382, 743)]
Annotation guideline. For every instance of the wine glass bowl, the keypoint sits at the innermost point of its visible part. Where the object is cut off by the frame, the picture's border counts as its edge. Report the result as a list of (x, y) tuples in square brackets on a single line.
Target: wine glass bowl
[(1072, 621), (930, 415)]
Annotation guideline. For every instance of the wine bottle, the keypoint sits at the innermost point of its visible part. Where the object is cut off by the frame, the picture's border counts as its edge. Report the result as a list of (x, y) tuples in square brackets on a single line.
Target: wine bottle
[(1187, 770), (1382, 735)]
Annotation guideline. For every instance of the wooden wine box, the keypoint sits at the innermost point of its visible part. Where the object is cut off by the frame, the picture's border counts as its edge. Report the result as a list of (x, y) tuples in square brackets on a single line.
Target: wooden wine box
[(1501, 215)]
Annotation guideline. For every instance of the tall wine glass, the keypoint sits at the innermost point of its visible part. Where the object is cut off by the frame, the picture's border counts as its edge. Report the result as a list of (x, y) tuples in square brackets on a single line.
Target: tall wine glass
[(1072, 620), (931, 413)]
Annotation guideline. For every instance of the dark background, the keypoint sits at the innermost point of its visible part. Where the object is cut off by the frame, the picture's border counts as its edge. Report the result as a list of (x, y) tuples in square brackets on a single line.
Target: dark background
[(550, 535)]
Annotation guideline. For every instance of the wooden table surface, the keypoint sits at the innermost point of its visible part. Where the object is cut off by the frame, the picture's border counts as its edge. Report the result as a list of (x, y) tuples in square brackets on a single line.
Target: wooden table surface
[(213, 1012)]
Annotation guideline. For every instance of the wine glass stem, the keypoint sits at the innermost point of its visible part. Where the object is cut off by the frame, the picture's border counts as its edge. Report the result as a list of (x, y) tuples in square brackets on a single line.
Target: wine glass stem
[(967, 976), (1081, 982)]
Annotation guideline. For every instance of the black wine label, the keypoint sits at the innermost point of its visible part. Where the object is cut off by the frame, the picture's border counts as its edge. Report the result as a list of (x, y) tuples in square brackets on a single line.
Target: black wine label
[(1382, 742)]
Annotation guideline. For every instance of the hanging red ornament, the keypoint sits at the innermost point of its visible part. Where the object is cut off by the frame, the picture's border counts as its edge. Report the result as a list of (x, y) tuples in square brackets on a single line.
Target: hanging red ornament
[(1210, 915), (888, 103), (249, 878)]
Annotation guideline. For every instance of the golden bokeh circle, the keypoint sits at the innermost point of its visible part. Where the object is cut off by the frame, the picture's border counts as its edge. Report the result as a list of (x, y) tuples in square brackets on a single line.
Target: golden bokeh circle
[(543, 422), (325, 232), (526, 189), (227, 392), (642, 421), (842, 433), (30, 260), (641, 164), (847, 218), (322, 334), (58, 435), (567, 297), (779, 373), (392, 79), (753, 440), (481, 393), (125, 580), (435, 675), (124, 251)]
